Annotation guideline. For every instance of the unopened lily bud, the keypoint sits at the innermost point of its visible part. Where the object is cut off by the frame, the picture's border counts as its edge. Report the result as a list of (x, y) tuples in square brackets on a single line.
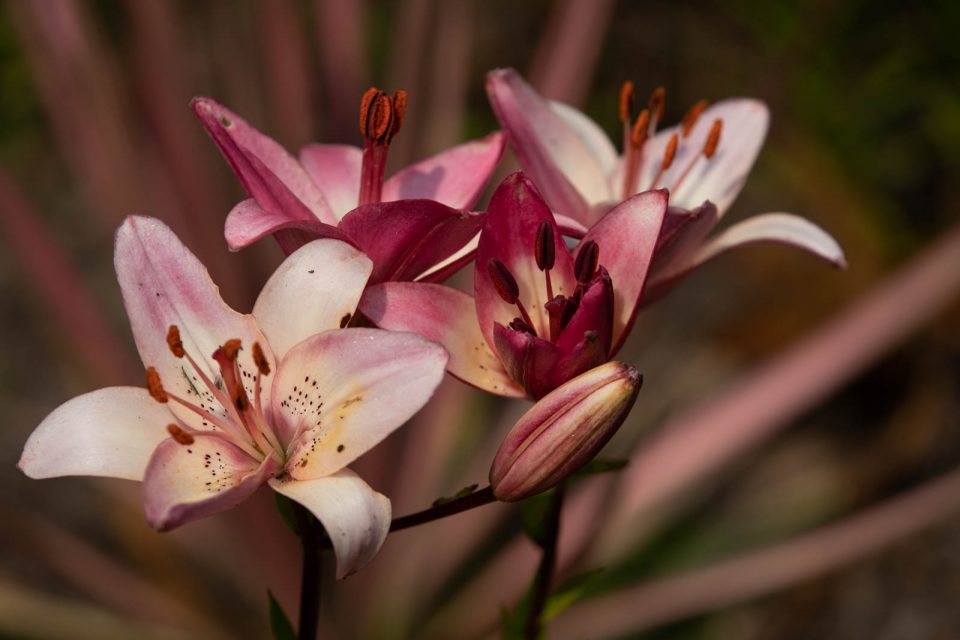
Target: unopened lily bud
[(563, 431)]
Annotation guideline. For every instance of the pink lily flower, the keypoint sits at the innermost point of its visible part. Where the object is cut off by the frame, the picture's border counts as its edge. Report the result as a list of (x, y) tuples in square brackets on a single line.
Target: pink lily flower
[(703, 162), (412, 225), (235, 401), (540, 315)]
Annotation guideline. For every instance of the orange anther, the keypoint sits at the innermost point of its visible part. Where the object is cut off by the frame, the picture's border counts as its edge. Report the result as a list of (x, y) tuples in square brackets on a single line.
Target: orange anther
[(671, 152), (626, 101), (692, 116), (178, 434), (639, 133), (154, 386), (174, 341), (260, 359), (713, 139)]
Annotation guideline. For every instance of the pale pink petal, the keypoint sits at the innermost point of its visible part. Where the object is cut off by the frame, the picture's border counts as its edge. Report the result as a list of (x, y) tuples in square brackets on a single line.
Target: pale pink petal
[(554, 154), (509, 235), (774, 227), (627, 237), (444, 315), (335, 169), (454, 177), (341, 392), (247, 222), (185, 482), (313, 290), (109, 432), (270, 175), (164, 284), (406, 238), (720, 178), (593, 137), (356, 517)]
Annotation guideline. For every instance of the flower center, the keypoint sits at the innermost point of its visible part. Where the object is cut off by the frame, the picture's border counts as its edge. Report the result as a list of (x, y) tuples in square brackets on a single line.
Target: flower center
[(380, 119), (637, 132), (560, 309), (241, 422)]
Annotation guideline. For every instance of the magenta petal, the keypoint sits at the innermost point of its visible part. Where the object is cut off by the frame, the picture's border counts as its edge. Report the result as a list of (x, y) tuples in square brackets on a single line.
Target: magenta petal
[(627, 236), (187, 482), (335, 169), (405, 238), (509, 233), (554, 154), (269, 174), (444, 315), (454, 177), (532, 362), (594, 314), (248, 222)]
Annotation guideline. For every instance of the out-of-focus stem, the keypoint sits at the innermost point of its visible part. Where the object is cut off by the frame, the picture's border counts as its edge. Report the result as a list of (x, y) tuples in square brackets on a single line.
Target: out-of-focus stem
[(309, 530), (548, 563)]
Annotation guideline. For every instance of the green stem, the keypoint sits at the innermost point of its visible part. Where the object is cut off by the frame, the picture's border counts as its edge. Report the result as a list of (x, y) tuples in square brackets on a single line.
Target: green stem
[(310, 532), (548, 561)]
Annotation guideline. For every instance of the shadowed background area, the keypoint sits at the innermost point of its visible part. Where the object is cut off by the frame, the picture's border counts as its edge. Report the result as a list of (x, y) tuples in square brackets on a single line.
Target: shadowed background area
[(781, 397)]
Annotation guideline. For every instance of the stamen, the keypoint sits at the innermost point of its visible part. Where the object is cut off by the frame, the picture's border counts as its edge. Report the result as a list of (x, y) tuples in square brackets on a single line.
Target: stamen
[(380, 120), (399, 104), (155, 387), (544, 247), (260, 360), (656, 106), (503, 281), (588, 257), (668, 155), (376, 115), (517, 324), (231, 348), (691, 117), (713, 139), (178, 434), (632, 153), (640, 127), (174, 341), (626, 102)]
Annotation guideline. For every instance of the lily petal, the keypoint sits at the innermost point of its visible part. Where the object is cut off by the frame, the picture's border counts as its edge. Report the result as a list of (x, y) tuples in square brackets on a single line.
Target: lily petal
[(719, 179), (784, 228), (164, 284), (454, 177), (186, 482), (555, 155), (313, 290), (356, 517), (627, 236), (405, 238), (247, 222), (335, 169), (109, 433), (339, 393), (270, 175), (444, 315), (509, 234), (593, 137)]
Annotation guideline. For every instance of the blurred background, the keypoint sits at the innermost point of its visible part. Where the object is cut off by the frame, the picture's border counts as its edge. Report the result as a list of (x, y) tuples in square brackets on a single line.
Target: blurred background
[(865, 141)]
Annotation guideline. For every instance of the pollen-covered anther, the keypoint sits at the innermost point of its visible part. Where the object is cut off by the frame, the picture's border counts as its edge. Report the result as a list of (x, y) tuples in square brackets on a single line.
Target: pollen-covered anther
[(544, 247), (692, 115), (671, 152), (260, 359), (178, 434), (586, 263), (656, 103), (231, 348), (503, 281), (640, 128), (399, 104), (713, 139), (174, 341), (376, 116), (155, 387), (626, 102)]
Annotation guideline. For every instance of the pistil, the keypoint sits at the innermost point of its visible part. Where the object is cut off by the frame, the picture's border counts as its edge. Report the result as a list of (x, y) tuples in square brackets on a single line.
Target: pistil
[(380, 119)]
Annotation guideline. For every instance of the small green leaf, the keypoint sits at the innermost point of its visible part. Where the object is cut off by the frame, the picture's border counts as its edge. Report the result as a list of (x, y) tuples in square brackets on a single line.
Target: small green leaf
[(534, 511), (280, 626), (569, 593), (463, 493), (600, 465), (287, 512)]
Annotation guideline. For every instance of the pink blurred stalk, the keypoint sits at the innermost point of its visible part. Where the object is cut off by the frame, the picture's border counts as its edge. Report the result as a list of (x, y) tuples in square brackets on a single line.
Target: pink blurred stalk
[(289, 81), (450, 76), (761, 572), (706, 438), (566, 59), (58, 286), (343, 64), (408, 50)]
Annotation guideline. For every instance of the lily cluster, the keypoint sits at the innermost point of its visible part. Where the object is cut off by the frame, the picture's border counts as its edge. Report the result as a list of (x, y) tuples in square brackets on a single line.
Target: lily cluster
[(564, 256)]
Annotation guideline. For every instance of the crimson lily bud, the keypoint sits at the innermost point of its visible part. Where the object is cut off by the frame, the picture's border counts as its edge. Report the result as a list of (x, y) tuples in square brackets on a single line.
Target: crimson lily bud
[(563, 431)]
